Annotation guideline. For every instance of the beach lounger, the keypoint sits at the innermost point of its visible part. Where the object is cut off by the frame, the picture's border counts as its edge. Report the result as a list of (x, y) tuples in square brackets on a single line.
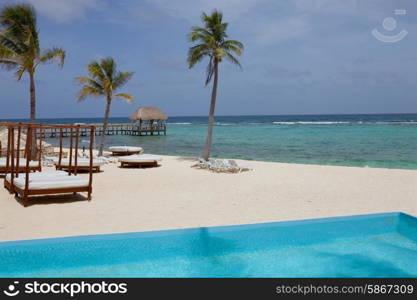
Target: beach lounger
[(33, 165), (46, 183), (49, 185), (139, 160), (43, 174), (125, 150), (83, 164)]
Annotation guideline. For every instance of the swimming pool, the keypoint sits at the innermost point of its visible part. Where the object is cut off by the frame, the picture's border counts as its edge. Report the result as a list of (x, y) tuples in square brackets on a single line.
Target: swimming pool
[(378, 245)]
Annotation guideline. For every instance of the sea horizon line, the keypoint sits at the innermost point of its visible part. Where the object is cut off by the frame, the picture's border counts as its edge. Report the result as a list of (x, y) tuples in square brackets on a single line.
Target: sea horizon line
[(243, 115)]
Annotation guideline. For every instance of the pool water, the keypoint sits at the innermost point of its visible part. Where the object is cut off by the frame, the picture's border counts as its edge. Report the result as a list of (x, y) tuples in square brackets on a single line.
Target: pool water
[(378, 245)]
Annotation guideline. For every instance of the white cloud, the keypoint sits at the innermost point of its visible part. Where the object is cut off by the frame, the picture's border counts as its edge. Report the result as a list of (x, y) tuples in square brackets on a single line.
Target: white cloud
[(282, 30), (326, 6), (244, 14), (191, 9), (63, 10)]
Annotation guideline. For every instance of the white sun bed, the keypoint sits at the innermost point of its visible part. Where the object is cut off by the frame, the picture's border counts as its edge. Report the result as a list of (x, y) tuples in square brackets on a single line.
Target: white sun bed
[(43, 174), (125, 150), (82, 163), (140, 160), (51, 183)]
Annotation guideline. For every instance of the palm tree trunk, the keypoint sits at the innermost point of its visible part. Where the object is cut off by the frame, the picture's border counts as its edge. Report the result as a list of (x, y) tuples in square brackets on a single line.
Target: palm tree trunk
[(207, 146), (34, 152), (32, 97), (105, 123)]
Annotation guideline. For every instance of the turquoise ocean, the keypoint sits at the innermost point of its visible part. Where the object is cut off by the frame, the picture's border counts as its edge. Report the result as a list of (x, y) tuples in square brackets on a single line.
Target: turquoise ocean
[(383, 141)]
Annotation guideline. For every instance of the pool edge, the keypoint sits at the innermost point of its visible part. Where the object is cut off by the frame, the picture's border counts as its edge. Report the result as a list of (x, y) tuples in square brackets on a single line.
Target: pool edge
[(221, 228)]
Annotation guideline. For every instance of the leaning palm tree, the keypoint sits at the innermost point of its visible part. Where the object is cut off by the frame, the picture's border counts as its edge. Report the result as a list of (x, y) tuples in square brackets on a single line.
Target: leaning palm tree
[(19, 46), (104, 81), (212, 43)]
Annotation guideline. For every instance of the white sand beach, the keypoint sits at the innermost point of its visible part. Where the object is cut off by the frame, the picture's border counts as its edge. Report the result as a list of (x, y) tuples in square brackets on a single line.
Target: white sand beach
[(177, 196)]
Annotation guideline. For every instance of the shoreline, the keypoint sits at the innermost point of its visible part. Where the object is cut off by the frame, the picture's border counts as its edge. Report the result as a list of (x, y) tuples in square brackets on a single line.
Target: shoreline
[(175, 196), (292, 163)]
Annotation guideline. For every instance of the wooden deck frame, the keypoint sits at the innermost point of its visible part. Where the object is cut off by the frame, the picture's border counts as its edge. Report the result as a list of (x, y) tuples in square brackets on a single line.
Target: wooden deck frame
[(34, 130), (124, 164), (124, 153), (19, 192), (96, 169)]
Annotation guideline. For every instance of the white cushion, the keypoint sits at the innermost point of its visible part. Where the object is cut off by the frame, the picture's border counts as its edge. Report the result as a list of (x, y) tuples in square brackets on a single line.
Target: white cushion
[(57, 182), (50, 174), (140, 158), (81, 162), (22, 162), (125, 149)]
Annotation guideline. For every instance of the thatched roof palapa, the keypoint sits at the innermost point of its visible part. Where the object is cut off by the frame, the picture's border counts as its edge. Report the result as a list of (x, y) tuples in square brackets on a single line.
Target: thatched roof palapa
[(147, 113)]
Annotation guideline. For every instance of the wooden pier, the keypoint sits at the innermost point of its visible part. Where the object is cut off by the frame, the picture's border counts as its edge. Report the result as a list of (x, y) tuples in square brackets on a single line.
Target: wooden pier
[(158, 128)]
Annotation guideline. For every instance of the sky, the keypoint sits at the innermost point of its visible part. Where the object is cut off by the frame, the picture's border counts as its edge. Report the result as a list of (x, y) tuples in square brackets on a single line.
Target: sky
[(300, 57)]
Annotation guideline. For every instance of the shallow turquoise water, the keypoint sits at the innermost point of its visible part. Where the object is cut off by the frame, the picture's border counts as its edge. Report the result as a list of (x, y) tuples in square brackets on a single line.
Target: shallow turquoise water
[(386, 141), (382, 146), (381, 245), (373, 145)]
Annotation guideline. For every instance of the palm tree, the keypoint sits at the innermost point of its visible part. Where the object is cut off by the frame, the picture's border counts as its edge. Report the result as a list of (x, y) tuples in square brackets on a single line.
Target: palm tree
[(212, 43), (19, 46), (105, 80)]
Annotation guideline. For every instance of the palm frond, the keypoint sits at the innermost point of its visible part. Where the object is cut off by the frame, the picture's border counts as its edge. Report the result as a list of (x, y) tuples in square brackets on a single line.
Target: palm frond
[(233, 45), (7, 64), (197, 53), (89, 81), (19, 40), (199, 34), (87, 91), (20, 71), (120, 79), (104, 80), (9, 42), (95, 70), (201, 30), (19, 15), (7, 53), (215, 18), (212, 43), (108, 66), (233, 59), (194, 59), (124, 96), (20, 26), (53, 54)]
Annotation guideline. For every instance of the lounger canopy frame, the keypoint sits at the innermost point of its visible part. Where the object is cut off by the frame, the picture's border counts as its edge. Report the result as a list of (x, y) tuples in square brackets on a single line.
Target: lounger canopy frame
[(32, 131), (12, 138)]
